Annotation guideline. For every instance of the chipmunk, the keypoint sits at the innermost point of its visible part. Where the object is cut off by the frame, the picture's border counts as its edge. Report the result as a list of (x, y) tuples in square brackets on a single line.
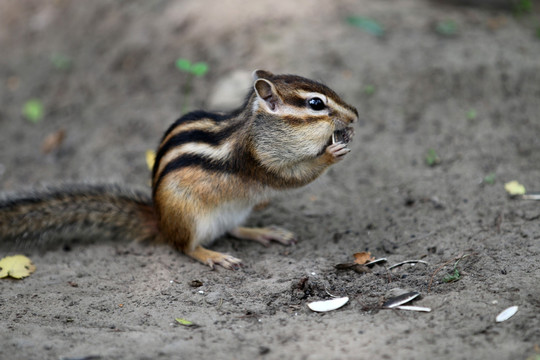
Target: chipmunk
[(210, 171)]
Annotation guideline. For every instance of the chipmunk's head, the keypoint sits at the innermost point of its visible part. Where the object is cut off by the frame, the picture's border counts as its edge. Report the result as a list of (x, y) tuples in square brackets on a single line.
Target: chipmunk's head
[(308, 114)]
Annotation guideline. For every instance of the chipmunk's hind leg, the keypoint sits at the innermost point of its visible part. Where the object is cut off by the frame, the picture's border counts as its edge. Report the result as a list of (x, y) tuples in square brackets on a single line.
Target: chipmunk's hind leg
[(212, 258), (265, 235)]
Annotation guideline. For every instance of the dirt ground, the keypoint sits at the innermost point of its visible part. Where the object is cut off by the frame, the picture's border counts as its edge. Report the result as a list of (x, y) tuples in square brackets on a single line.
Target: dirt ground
[(459, 77)]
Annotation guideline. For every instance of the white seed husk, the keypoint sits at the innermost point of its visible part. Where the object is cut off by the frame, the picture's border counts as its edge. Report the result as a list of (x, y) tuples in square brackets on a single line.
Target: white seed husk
[(413, 308), (376, 261), (328, 305), (408, 262), (400, 300), (506, 314)]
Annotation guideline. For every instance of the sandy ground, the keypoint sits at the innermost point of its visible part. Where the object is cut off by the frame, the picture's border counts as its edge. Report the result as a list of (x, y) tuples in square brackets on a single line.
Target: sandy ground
[(469, 92)]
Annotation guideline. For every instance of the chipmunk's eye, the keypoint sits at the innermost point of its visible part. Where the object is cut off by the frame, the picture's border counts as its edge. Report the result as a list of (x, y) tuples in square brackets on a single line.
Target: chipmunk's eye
[(316, 104)]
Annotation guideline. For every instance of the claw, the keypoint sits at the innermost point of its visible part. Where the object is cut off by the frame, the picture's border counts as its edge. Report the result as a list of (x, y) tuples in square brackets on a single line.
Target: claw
[(212, 258)]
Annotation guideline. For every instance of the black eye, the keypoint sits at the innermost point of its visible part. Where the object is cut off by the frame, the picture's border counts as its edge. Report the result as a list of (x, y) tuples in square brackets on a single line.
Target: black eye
[(316, 104)]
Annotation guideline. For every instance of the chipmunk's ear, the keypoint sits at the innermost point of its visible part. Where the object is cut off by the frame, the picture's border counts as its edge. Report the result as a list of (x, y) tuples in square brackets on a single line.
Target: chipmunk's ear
[(262, 74), (266, 91)]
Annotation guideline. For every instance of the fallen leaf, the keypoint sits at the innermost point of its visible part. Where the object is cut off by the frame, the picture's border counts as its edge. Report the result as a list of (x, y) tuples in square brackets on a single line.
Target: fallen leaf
[(363, 257), (17, 266), (471, 114), (60, 61), (33, 110), (53, 141), (447, 28), (432, 158), (367, 24), (184, 322), (489, 179), (13, 83), (150, 158), (514, 188)]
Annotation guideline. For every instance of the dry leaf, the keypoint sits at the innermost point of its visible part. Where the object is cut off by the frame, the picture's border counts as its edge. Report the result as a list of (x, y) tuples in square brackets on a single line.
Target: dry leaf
[(17, 266), (53, 141), (150, 158), (514, 188), (363, 257)]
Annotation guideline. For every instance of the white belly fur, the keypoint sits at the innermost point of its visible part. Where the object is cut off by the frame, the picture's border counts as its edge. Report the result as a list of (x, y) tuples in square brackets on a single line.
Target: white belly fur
[(218, 222)]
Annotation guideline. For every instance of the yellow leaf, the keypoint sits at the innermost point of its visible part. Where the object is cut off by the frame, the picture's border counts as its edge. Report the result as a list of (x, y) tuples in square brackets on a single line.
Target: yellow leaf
[(17, 266), (184, 322), (514, 188), (150, 158)]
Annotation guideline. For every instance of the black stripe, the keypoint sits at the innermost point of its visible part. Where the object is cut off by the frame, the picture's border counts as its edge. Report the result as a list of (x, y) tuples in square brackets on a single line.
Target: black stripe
[(297, 101), (201, 136), (194, 116), (192, 160)]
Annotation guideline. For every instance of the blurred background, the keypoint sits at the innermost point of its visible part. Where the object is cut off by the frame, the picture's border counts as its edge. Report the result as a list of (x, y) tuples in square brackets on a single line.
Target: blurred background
[(99, 81)]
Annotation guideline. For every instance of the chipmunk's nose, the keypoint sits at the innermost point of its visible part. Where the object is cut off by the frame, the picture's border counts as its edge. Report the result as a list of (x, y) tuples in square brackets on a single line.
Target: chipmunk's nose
[(354, 117)]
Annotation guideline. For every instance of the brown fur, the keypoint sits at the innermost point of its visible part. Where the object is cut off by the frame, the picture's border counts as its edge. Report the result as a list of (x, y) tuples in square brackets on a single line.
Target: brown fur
[(81, 211), (210, 170)]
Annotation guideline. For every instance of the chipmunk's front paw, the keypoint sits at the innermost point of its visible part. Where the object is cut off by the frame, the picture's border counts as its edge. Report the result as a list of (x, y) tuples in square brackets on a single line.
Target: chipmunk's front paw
[(336, 152)]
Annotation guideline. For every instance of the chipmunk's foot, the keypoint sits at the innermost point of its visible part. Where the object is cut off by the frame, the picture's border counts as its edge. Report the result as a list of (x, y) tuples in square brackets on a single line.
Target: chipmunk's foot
[(212, 258), (265, 235)]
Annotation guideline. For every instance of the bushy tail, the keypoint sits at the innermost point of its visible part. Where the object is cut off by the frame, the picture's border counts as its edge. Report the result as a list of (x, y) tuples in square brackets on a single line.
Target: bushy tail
[(76, 212)]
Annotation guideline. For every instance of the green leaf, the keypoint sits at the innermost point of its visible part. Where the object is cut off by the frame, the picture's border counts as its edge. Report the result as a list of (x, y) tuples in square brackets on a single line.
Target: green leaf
[(183, 64), (369, 89), (447, 28), (60, 61), (452, 277), (184, 322), (523, 7), (199, 69), (489, 179), (432, 158), (367, 24), (33, 110), (471, 114)]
